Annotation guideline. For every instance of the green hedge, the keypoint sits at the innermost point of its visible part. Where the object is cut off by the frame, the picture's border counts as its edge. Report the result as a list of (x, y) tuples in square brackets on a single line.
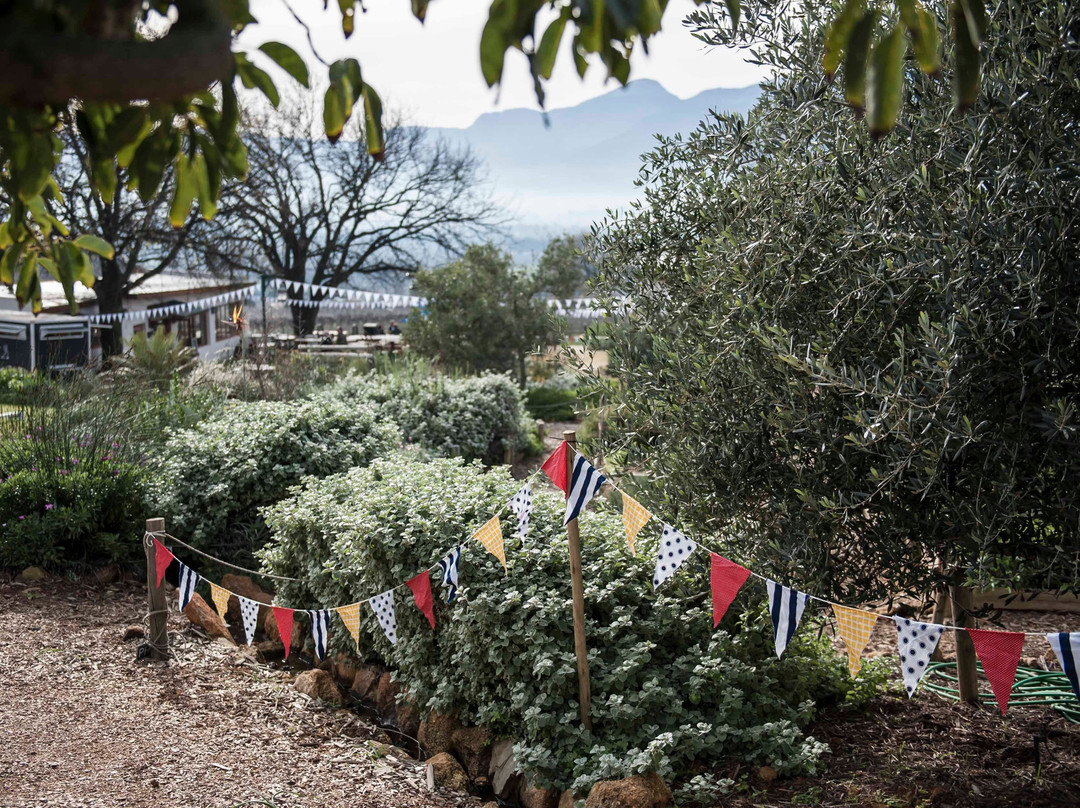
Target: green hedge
[(211, 479), (669, 692), (552, 404)]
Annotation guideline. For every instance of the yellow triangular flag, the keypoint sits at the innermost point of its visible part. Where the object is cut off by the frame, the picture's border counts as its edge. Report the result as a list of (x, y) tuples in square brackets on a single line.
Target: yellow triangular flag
[(220, 596), (634, 518), (350, 616), (490, 535), (855, 626)]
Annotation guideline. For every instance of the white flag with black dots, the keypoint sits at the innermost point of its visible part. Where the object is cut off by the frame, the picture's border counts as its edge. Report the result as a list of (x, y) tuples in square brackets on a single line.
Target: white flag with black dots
[(522, 505), (383, 606), (249, 610), (675, 548), (916, 643), (189, 579)]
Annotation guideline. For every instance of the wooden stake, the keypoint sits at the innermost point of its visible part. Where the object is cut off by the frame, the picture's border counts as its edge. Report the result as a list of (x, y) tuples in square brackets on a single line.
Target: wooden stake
[(966, 674), (155, 595), (577, 585)]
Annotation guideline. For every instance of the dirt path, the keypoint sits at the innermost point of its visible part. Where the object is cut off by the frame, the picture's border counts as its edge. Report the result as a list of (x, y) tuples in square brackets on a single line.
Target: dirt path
[(83, 724)]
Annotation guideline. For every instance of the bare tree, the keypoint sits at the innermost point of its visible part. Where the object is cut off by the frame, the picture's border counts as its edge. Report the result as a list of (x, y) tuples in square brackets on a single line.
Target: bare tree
[(327, 213)]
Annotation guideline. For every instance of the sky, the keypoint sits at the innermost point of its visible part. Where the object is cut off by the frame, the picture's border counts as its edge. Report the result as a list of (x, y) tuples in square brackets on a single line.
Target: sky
[(431, 71)]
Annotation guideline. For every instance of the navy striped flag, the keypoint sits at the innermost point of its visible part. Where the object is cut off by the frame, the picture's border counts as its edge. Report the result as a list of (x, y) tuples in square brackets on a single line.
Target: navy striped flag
[(320, 620), (189, 579), (585, 483), (1067, 648), (786, 607), (448, 565)]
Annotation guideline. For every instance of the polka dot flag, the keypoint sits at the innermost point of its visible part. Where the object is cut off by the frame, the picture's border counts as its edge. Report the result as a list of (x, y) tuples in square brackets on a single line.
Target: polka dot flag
[(383, 606), (220, 596), (916, 643), (350, 616), (674, 549), (522, 505), (634, 517), (855, 626), (490, 535), (249, 611)]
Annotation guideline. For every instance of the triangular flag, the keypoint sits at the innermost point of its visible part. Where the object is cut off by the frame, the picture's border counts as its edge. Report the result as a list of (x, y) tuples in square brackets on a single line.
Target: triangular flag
[(490, 535), (675, 548), (585, 483), (855, 626), (725, 577), (915, 643), (999, 653), (421, 592), (555, 468), (163, 557), (383, 606), (283, 618), (249, 611), (634, 517), (449, 567), (350, 616), (1067, 648), (320, 626), (786, 607), (521, 504), (220, 596), (189, 579)]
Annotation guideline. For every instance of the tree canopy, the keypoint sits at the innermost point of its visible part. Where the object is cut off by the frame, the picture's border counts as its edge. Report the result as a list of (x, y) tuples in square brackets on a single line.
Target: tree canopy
[(853, 358)]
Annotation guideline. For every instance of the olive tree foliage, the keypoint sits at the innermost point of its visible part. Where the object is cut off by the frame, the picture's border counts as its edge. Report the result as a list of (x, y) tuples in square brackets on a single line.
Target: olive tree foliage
[(153, 83), (850, 358)]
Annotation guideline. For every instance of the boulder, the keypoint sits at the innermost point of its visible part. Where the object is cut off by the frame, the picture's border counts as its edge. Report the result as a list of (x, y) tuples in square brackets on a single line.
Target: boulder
[(491, 804), (567, 800), (201, 615), (344, 669), (503, 769), (133, 633), (639, 791), (436, 733), (386, 693), (766, 774), (443, 771), (532, 796), (365, 681), (243, 585), (269, 650), (107, 575), (473, 747), (31, 575), (270, 627), (319, 685), (408, 719)]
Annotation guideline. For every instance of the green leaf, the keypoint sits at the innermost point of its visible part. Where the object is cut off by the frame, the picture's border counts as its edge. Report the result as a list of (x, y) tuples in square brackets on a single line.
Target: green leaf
[(373, 129), (927, 45), (24, 289), (255, 77), (837, 34), (493, 45), (288, 60), (10, 261), (207, 196), (855, 59), (95, 244), (103, 178), (735, 10), (184, 195), (348, 16), (887, 81), (967, 75), (334, 111), (549, 44), (419, 9), (150, 160)]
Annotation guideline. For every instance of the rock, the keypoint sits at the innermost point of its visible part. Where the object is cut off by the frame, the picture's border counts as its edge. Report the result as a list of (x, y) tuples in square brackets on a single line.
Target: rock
[(436, 733), (367, 677), (408, 719), (107, 575), (31, 575), (386, 693), (133, 633), (639, 791), (343, 666), (201, 615), (319, 685), (473, 747), (243, 585), (270, 650), (567, 800), (503, 769), (443, 771), (535, 797), (766, 774), (491, 804), (270, 627)]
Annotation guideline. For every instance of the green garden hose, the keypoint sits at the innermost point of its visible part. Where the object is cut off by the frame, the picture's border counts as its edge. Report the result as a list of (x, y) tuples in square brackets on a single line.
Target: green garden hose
[(1033, 687)]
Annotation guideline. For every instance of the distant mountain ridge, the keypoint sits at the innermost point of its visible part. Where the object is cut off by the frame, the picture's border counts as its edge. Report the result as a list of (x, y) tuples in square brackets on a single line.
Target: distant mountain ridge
[(564, 175)]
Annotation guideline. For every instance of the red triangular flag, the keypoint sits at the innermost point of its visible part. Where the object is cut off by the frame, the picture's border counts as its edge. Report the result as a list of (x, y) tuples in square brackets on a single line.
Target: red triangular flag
[(726, 578), (999, 653), (284, 620), (163, 557), (555, 468), (421, 592)]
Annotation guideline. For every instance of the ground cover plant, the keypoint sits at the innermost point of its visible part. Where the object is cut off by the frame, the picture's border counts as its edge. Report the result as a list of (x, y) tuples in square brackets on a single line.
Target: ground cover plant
[(668, 690)]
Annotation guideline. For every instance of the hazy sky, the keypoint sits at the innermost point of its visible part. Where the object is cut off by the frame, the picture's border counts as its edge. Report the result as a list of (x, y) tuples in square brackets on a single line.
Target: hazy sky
[(431, 72)]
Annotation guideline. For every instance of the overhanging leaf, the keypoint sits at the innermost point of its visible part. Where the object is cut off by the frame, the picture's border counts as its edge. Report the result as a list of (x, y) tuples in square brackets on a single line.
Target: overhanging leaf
[(288, 60)]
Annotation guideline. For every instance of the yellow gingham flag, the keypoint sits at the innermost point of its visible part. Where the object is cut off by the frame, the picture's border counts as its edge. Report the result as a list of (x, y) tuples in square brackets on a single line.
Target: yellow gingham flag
[(350, 616), (634, 518), (490, 535), (220, 596), (855, 626)]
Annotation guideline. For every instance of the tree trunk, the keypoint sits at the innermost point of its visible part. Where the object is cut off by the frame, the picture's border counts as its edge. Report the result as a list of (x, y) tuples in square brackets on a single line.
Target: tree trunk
[(966, 673), (522, 378), (304, 319), (109, 291)]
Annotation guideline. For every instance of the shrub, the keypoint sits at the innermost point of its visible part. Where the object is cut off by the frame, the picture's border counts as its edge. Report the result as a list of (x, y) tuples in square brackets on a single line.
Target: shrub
[(475, 417), (667, 689), (72, 493), (156, 359), (213, 477), (551, 403)]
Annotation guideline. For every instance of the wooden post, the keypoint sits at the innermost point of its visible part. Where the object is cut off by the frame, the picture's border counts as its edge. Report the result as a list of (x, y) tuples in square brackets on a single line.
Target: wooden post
[(577, 585), (966, 674), (155, 595)]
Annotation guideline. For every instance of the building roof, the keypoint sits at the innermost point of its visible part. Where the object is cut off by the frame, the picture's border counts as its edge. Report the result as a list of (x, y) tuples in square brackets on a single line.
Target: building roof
[(167, 284)]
